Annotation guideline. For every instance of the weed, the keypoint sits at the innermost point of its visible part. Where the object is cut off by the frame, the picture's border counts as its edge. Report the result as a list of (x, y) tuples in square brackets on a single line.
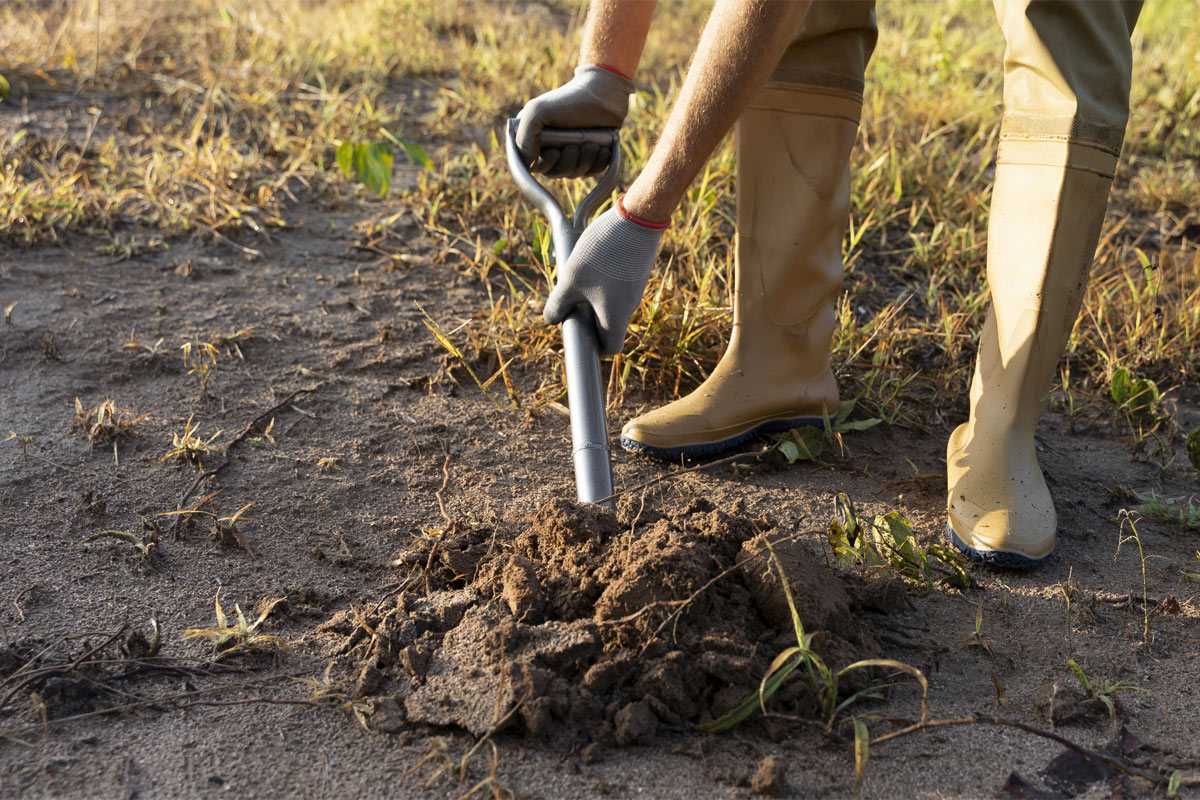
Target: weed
[(239, 636), (23, 441), (1130, 520), (145, 542), (189, 448), (889, 542), (105, 423), (135, 345), (976, 637), (224, 530), (1193, 574), (824, 681), (371, 163), (809, 443), (230, 342), (200, 360), (1134, 395), (328, 690), (1102, 691), (1182, 511)]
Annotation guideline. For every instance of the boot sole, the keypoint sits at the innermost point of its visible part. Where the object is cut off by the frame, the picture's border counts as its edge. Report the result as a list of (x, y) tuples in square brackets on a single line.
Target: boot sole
[(700, 451), (999, 559)]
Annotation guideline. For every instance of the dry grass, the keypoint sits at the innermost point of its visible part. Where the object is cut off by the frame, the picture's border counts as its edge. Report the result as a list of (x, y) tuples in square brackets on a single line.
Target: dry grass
[(190, 117)]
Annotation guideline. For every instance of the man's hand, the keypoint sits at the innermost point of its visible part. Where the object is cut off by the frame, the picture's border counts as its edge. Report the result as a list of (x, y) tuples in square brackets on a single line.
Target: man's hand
[(595, 98), (607, 272)]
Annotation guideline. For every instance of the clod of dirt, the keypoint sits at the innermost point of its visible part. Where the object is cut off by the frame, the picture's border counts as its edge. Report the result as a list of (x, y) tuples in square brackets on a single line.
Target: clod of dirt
[(770, 778), (574, 622), (820, 598), (521, 590), (636, 723)]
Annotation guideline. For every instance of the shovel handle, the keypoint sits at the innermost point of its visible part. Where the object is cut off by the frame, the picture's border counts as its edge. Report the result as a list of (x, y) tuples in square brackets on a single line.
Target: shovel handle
[(581, 350), (562, 137)]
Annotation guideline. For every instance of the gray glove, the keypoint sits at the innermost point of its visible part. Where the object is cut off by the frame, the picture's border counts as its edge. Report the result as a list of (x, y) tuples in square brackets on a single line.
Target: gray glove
[(594, 98), (607, 272)]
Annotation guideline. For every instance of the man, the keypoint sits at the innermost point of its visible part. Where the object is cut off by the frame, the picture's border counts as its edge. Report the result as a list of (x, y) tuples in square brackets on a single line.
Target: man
[(790, 74)]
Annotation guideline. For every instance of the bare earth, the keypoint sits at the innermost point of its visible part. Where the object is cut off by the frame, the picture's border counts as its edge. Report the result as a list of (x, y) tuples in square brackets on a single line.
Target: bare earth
[(355, 474)]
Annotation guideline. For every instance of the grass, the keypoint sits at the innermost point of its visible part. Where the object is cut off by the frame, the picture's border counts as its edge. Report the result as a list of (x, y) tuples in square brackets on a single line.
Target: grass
[(213, 119), (239, 636)]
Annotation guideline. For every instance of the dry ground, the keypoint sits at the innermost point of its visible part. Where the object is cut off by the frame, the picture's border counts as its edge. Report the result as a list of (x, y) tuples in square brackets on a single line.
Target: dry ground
[(323, 535), (390, 440)]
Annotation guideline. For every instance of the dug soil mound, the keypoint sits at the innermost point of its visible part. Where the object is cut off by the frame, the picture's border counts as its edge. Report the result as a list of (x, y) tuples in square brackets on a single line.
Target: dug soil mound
[(580, 623)]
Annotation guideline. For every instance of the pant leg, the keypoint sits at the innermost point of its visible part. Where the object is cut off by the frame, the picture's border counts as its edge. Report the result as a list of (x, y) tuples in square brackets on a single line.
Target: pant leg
[(832, 47), (794, 142), (1067, 72)]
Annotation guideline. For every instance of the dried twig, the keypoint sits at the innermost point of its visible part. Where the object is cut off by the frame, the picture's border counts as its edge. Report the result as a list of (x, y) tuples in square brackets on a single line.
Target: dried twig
[(1112, 761), (227, 460), (30, 677)]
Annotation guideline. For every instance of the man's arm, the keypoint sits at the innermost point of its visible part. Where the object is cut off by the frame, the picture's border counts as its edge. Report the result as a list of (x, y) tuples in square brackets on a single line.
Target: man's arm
[(609, 267), (740, 46), (614, 34)]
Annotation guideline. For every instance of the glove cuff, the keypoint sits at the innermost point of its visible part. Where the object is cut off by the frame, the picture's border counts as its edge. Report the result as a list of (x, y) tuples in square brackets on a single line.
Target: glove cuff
[(608, 82), (642, 221), (613, 70)]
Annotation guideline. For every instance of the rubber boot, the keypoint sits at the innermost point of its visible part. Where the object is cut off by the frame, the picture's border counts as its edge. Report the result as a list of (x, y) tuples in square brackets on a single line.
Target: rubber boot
[(793, 194), (793, 190), (1045, 221), (1067, 73)]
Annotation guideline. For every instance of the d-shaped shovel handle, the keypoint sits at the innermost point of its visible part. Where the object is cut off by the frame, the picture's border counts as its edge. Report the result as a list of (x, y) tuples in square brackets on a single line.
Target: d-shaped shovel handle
[(581, 352)]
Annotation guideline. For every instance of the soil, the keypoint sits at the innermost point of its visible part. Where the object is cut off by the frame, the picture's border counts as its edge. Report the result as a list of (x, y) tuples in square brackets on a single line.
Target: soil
[(438, 589), (556, 626)]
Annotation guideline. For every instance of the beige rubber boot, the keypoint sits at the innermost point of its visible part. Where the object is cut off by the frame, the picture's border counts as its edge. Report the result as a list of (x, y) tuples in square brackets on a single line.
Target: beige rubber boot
[(793, 194), (1067, 72)]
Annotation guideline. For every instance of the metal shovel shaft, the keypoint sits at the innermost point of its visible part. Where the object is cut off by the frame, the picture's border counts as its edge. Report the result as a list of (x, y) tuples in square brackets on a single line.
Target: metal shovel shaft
[(581, 351)]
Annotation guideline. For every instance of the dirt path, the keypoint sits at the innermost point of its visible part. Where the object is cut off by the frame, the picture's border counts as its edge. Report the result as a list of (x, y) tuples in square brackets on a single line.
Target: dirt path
[(355, 472)]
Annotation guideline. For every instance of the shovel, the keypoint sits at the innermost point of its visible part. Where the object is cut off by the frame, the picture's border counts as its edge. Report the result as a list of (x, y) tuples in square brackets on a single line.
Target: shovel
[(585, 390)]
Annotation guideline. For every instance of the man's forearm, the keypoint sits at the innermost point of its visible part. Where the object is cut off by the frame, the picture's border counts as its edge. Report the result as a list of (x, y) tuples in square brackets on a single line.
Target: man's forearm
[(738, 50), (614, 33)]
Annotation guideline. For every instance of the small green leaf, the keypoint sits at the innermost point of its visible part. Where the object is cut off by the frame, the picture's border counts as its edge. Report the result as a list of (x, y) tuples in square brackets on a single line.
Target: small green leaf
[(414, 151), (858, 425), (417, 154), (1133, 394), (1080, 675), (845, 409), (369, 164), (345, 159), (379, 161), (1174, 783), (801, 444), (790, 450), (1109, 704), (4, 88)]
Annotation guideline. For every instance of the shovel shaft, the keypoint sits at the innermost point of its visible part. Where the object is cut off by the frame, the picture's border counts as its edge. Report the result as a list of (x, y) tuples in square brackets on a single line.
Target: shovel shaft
[(585, 396), (581, 350)]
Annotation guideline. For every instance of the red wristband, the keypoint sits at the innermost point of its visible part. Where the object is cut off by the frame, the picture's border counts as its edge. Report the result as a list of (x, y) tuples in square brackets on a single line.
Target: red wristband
[(636, 220), (613, 70)]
